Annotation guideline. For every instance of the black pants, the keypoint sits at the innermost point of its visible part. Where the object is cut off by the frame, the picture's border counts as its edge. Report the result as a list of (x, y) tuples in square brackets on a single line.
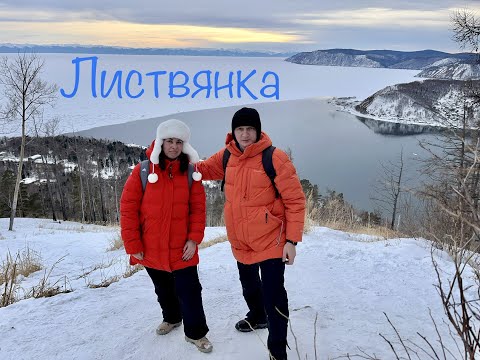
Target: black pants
[(180, 296), (264, 296)]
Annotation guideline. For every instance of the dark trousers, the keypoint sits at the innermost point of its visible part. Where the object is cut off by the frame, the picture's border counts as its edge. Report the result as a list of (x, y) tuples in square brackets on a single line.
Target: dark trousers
[(264, 296), (180, 296)]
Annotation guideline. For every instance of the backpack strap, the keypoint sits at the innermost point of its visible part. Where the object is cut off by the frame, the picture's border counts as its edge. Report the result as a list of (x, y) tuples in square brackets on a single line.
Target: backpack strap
[(226, 156), (267, 161), (145, 170), (191, 169)]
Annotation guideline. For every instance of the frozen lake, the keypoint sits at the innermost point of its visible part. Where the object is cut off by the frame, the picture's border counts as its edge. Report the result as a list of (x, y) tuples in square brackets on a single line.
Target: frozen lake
[(332, 149), (83, 111)]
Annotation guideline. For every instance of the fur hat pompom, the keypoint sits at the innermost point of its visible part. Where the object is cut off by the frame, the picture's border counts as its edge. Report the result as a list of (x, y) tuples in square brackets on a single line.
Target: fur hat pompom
[(152, 178), (197, 176)]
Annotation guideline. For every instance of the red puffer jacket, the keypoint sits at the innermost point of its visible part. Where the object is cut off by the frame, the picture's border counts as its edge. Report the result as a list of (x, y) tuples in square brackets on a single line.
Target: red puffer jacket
[(161, 220)]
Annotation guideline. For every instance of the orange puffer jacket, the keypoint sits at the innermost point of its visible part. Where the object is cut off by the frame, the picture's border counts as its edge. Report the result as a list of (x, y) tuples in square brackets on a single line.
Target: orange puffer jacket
[(161, 220), (258, 223)]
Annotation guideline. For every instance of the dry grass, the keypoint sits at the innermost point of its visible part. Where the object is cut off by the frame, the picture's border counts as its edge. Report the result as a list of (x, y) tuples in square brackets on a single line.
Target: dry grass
[(311, 213), (105, 282), (217, 240), (381, 232), (46, 289), (72, 227), (337, 214), (116, 243), (10, 286), (108, 280), (132, 270), (96, 267), (30, 261), (24, 263)]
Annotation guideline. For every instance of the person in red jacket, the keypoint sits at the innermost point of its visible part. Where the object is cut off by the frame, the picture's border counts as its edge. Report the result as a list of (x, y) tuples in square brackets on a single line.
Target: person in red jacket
[(161, 227), (263, 228)]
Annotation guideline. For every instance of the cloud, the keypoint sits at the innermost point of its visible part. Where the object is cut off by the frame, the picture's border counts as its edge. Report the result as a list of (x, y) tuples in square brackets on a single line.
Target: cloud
[(380, 17), (120, 33), (296, 24)]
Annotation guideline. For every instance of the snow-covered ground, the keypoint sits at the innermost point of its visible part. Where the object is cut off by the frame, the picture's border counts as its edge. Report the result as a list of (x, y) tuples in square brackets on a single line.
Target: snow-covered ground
[(83, 111), (348, 105), (348, 280)]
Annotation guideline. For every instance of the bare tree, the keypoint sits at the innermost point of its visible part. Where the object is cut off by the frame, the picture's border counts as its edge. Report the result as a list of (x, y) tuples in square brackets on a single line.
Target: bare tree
[(389, 187), (466, 29), (48, 128), (453, 192), (26, 95)]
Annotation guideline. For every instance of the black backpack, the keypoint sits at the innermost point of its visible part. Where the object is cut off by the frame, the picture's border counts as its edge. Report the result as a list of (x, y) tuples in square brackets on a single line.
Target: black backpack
[(267, 162), (145, 170)]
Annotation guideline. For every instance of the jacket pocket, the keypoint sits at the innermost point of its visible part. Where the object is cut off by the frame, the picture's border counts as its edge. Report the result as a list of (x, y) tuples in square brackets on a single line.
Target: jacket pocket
[(263, 229)]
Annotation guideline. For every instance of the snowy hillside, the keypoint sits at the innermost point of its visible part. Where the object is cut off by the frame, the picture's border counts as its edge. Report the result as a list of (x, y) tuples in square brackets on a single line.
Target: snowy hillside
[(348, 280), (428, 102), (451, 69), (333, 59), (417, 60)]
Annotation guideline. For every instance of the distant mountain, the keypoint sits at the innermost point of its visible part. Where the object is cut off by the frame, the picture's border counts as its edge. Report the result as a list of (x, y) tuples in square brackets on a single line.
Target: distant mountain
[(429, 102), (80, 49), (415, 60)]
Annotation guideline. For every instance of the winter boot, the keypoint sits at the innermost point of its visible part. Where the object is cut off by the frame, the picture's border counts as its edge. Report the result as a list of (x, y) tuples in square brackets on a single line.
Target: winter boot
[(204, 345), (246, 325), (165, 327)]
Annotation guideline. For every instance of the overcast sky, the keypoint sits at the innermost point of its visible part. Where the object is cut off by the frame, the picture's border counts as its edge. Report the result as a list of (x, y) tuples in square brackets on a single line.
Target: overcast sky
[(279, 25)]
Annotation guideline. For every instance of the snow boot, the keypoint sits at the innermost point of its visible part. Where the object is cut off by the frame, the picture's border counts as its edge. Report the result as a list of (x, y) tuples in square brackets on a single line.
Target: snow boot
[(165, 327), (246, 325), (203, 344)]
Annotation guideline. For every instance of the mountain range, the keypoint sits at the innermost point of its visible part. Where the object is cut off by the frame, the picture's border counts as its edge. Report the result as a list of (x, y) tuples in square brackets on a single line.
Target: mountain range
[(434, 64), (91, 49)]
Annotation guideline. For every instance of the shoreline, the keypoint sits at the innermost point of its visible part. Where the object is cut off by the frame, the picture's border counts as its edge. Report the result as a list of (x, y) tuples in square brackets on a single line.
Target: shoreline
[(347, 105)]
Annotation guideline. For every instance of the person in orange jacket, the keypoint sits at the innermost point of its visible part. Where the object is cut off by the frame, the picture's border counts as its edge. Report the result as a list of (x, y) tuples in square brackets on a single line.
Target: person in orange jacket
[(263, 229), (161, 226)]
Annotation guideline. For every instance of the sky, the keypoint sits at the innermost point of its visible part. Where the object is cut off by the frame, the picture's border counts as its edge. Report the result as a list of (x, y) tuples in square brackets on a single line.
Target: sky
[(302, 25), (348, 280)]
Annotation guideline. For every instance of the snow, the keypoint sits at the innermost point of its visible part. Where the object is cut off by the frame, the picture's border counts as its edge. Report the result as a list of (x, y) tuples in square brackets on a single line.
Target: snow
[(136, 146), (29, 180), (452, 70), (36, 157), (443, 62), (8, 157), (349, 280), (401, 108)]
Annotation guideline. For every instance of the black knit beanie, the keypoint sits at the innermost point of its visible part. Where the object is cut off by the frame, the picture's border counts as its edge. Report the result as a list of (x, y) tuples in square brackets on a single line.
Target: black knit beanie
[(247, 117)]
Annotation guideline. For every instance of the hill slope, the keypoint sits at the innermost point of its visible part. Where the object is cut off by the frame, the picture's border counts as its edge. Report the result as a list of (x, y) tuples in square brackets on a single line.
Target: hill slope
[(349, 280)]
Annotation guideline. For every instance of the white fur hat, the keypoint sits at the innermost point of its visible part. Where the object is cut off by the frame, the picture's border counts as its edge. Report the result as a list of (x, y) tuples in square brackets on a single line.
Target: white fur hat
[(173, 129)]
